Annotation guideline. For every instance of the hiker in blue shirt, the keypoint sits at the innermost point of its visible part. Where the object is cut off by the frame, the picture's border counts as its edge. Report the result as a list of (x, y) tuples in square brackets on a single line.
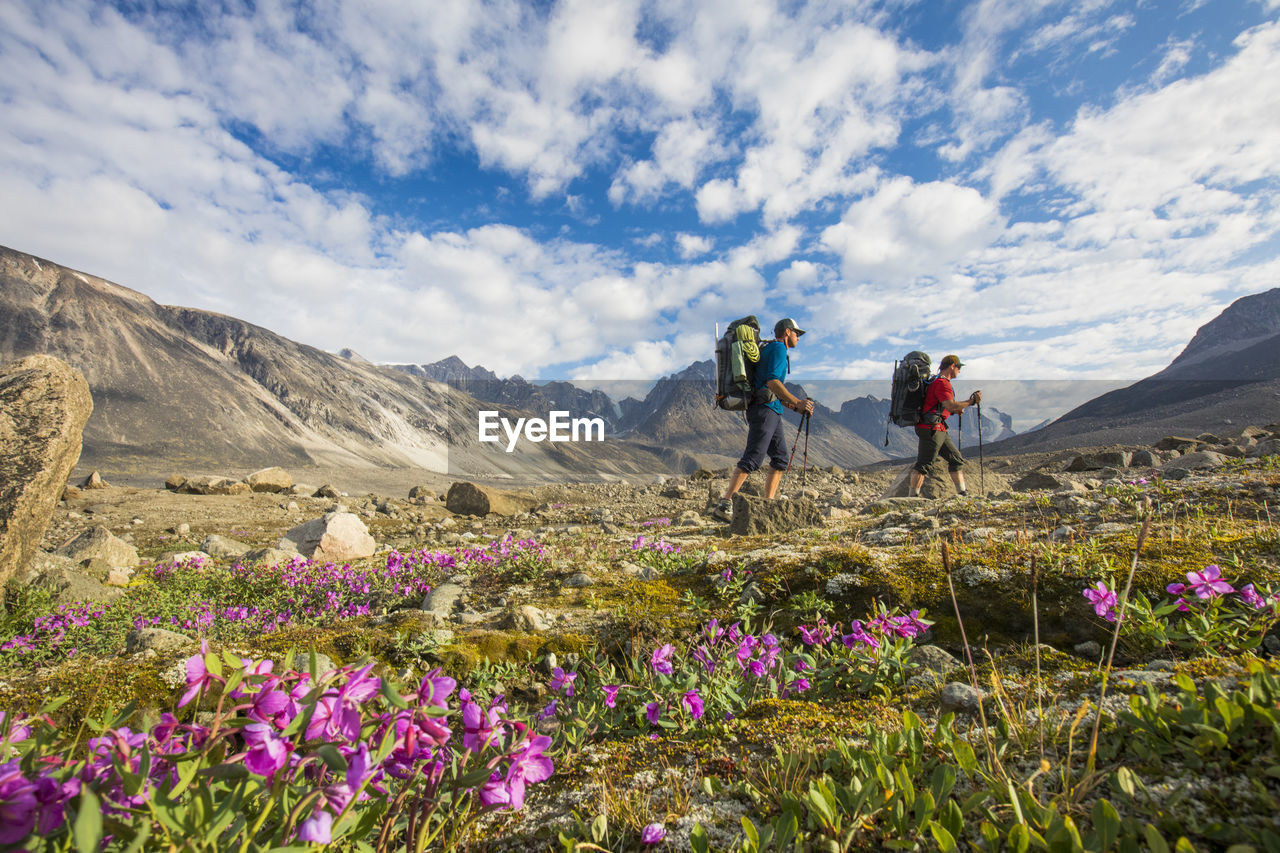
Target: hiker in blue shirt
[(764, 417)]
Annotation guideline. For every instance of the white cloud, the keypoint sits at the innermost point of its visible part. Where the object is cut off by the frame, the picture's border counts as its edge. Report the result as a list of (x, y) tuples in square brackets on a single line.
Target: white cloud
[(906, 230), (693, 245)]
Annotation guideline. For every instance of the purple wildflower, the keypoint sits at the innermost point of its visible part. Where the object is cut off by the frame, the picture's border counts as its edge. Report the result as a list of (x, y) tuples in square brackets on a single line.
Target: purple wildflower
[(693, 702), (317, 829), (652, 834), (1104, 600), (660, 661), (611, 695), (653, 713), (1209, 583)]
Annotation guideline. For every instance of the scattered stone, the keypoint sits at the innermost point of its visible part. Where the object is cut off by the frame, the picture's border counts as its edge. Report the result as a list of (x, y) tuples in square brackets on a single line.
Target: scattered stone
[(1143, 459), (1268, 447), (44, 405), (757, 516), (327, 491), (934, 659), (1037, 480), (421, 493), (183, 529), (71, 493), (1198, 460), (94, 481), (957, 696), (579, 580), (443, 600), (1089, 650), (67, 583), (1061, 534), (100, 543), (689, 518), (752, 594), (157, 640), (469, 499), (336, 536), (1175, 442), (175, 482), (528, 618), (273, 480), (223, 547), (185, 557), (269, 556), (301, 662)]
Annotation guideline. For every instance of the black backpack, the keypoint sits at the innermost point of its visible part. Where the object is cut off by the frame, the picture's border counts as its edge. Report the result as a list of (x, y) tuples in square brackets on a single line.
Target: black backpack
[(910, 382), (737, 352)]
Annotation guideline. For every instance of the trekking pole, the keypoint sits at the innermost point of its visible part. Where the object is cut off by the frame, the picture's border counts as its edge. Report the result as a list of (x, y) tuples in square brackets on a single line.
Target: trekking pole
[(982, 474), (804, 472), (796, 443)]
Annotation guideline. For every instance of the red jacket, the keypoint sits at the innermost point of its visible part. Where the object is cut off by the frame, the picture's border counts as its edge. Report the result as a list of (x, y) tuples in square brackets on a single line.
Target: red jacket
[(939, 390)]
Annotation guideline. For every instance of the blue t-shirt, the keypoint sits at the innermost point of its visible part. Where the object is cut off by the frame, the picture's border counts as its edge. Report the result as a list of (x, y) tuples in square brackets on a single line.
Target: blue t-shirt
[(773, 364)]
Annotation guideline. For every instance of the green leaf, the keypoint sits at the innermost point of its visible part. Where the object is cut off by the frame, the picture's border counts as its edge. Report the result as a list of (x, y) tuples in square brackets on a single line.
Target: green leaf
[(332, 758), (1126, 781), (785, 829), (965, 757), (186, 773), (139, 840), (1184, 682), (87, 830), (749, 830), (392, 695), (1106, 822), (946, 841), (1019, 838), (599, 829), (1155, 841), (698, 840)]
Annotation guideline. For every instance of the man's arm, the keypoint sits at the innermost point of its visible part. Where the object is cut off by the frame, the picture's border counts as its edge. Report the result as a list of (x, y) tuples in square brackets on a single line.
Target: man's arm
[(955, 407), (791, 401)]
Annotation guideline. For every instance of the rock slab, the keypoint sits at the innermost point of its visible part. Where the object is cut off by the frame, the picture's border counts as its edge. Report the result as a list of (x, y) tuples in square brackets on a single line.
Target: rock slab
[(469, 499), (270, 480), (758, 516), (335, 536), (44, 405), (99, 543)]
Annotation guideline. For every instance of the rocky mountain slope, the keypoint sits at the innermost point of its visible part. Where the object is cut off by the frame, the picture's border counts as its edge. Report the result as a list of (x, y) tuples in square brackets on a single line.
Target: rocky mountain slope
[(1229, 374), (206, 391)]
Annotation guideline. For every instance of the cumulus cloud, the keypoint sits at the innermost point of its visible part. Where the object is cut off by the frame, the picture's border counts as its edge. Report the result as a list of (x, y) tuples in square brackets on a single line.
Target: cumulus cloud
[(905, 230)]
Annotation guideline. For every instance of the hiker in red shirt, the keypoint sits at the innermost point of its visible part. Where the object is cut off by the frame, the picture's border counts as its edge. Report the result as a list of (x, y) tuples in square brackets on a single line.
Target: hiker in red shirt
[(939, 403)]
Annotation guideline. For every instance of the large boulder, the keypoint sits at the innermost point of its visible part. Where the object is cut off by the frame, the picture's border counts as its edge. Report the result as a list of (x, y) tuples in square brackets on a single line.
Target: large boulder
[(223, 547), (67, 583), (44, 405), (1198, 460), (469, 499), (1035, 480), (336, 536), (99, 543), (756, 516), (1266, 447), (270, 480)]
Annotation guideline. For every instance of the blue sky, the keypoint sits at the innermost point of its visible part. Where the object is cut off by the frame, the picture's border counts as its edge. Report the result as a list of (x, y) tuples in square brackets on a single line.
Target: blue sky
[(1055, 190)]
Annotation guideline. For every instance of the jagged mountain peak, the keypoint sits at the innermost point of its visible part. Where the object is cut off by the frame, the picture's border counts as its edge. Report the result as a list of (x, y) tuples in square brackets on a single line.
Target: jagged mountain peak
[(1247, 321)]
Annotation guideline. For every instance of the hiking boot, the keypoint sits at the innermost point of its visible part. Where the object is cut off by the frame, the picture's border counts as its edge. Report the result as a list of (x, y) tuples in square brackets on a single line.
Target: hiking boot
[(723, 510)]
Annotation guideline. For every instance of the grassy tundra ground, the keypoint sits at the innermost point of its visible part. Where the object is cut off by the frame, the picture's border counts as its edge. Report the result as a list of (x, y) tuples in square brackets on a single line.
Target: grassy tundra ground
[(630, 683)]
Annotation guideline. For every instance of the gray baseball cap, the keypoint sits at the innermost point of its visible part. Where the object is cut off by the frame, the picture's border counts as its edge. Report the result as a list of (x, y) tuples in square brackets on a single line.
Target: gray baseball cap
[(786, 323)]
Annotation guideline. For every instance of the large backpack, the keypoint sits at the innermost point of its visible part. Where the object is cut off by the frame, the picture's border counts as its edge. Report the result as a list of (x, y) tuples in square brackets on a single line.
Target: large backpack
[(910, 382), (737, 352)]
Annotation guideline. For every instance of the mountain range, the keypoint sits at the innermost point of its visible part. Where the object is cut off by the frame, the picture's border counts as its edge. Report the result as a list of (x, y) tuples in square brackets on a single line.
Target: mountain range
[(1228, 376), (184, 389)]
